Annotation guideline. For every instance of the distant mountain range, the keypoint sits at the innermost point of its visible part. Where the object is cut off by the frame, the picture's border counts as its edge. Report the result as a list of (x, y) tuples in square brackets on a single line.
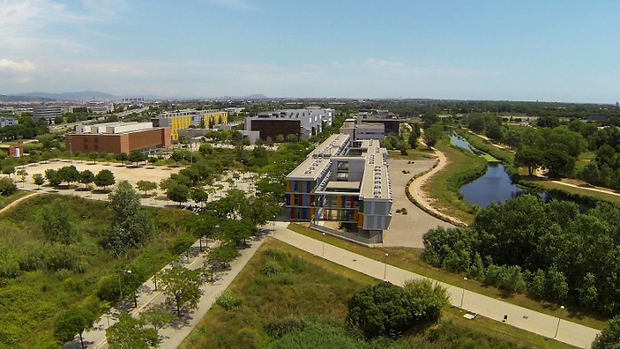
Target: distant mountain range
[(67, 95), (4, 98), (87, 95)]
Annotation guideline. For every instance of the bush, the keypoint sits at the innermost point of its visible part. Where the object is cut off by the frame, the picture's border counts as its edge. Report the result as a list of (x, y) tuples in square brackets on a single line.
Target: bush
[(108, 288), (227, 300), (7, 187), (270, 268), (277, 328)]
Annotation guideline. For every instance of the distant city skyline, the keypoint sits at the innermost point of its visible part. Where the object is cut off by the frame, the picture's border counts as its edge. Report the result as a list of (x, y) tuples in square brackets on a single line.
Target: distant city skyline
[(483, 50)]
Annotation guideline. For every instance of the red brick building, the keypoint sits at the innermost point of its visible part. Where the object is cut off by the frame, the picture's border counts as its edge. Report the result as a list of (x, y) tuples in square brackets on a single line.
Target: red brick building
[(12, 150), (117, 138)]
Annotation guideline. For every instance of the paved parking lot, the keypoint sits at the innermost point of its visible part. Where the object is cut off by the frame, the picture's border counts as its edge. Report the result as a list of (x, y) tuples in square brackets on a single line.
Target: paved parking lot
[(408, 230)]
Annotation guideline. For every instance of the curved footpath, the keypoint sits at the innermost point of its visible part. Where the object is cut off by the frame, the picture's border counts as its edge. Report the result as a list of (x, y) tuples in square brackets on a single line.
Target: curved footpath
[(420, 199), (523, 318), (16, 202)]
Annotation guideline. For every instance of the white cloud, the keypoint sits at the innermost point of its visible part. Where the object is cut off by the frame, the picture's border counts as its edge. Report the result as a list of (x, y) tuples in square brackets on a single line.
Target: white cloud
[(15, 66)]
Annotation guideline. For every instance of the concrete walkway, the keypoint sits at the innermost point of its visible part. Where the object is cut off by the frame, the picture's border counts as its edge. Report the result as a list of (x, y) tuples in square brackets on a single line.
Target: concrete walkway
[(523, 318), (173, 335)]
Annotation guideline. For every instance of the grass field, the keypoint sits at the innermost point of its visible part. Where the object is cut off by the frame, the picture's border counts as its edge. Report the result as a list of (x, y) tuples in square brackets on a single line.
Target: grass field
[(39, 280), (311, 288), (6, 200), (489, 158), (444, 186), (410, 259)]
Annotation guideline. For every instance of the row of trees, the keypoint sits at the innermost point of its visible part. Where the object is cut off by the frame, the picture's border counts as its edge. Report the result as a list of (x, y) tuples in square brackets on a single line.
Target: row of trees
[(70, 174), (548, 249)]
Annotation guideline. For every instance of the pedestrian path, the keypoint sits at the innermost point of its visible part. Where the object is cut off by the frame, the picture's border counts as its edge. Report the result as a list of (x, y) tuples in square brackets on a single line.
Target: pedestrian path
[(171, 336), (523, 318)]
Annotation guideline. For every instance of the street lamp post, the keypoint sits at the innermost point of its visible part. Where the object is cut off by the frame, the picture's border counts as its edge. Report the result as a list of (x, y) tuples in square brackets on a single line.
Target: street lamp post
[(557, 328), (385, 267), (120, 280), (323, 245), (463, 294)]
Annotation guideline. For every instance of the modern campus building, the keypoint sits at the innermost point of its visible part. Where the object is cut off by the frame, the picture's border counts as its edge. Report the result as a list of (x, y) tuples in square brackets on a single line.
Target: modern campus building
[(344, 181), (99, 107), (8, 122), (359, 131), (182, 119), (47, 112), (302, 123), (117, 137)]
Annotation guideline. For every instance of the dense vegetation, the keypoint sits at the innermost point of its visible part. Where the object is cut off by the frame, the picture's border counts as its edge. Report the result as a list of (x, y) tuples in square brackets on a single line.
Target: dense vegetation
[(548, 249), (280, 302), (52, 255)]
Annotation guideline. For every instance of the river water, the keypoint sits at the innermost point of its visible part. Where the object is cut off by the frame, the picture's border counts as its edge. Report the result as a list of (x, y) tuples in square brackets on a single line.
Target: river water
[(494, 186)]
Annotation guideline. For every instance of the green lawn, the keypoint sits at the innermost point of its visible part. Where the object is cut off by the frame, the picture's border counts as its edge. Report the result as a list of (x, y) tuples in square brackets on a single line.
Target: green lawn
[(489, 158), (6, 200), (316, 290), (410, 259), (47, 279), (443, 187)]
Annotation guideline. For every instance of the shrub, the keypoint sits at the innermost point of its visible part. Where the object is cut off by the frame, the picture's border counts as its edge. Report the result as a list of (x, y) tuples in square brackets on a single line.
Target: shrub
[(7, 186), (278, 327), (108, 288), (270, 268), (227, 300)]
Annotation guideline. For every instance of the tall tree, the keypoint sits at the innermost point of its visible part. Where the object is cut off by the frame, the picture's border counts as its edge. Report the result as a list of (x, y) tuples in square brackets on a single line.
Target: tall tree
[(72, 321), (104, 178), (86, 177), (131, 225), (181, 287), (129, 333), (146, 186)]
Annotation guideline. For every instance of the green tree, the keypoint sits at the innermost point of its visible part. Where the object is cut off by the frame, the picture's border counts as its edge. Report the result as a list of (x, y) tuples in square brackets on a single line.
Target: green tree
[(181, 287), (69, 174), (86, 177), (131, 224), (104, 178), (57, 225), (38, 179), (279, 138), (221, 256), (8, 170), (22, 174), (7, 187), (609, 338), (129, 333), (432, 135), (158, 317), (530, 157), (93, 156), (588, 294), (136, 156), (236, 231), (199, 195), (72, 321), (146, 186), (536, 287), (559, 163), (414, 135), (177, 192), (52, 177), (556, 285)]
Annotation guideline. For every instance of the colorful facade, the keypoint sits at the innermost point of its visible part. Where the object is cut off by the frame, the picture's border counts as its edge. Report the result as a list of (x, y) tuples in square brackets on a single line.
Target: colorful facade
[(342, 181), (183, 119)]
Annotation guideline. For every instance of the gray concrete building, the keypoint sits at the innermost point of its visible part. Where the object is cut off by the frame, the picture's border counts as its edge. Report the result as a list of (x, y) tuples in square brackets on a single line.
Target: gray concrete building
[(47, 112), (303, 123)]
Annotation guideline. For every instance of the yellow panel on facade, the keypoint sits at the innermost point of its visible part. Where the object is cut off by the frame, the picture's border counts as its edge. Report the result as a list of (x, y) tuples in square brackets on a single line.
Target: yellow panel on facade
[(292, 200), (288, 186)]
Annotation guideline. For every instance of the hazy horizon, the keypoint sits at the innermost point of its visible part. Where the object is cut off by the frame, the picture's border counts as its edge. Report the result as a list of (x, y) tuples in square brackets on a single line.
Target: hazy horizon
[(481, 50)]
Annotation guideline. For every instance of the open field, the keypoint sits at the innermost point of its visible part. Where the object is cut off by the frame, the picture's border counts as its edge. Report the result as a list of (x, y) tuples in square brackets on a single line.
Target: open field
[(443, 187), (421, 153), (303, 288), (583, 159), (410, 259), (39, 280)]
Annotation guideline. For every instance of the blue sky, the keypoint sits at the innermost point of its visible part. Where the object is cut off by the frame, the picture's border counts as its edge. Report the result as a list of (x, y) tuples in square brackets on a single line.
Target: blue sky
[(517, 50)]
